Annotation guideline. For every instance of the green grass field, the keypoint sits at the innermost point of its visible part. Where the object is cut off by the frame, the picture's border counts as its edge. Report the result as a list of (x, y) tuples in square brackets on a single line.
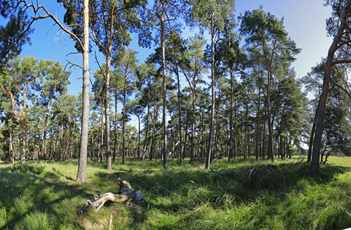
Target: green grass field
[(44, 195)]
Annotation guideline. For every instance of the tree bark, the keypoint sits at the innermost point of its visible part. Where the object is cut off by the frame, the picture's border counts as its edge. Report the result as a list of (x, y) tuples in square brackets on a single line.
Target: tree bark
[(82, 164)]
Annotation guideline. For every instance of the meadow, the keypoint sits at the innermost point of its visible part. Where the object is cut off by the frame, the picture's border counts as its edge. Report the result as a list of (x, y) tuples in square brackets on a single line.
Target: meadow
[(235, 195)]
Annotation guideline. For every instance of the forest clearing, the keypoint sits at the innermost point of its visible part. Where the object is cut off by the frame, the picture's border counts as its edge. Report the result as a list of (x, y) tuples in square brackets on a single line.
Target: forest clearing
[(175, 114), (43, 195)]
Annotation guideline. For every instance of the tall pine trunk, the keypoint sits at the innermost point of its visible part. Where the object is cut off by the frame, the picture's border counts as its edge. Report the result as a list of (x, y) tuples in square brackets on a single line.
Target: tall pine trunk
[(164, 116), (82, 164), (107, 114), (116, 127), (210, 145)]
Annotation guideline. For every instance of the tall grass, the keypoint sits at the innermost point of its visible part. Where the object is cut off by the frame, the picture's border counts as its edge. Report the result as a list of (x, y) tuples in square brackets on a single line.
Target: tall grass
[(44, 195)]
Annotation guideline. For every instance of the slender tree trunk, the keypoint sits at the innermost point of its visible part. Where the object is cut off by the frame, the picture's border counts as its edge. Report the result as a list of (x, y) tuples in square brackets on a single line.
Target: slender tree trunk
[(23, 156), (147, 125), (193, 127), (55, 144), (235, 133), (180, 123), (123, 117), (264, 137), (116, 127), (210, 145), (270, 125), (246, 128), (258, 122), (92, 146), (185, 140), (107, 114), (101, 133), (153, 131), (164, 116), (82, 164), (202, 135), (61, 141), (11, 148), (139, 121), (43, 150), (231, 116)]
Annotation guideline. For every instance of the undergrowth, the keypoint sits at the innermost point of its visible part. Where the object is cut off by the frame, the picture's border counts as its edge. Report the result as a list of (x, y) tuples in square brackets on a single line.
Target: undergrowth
[(235, 195)]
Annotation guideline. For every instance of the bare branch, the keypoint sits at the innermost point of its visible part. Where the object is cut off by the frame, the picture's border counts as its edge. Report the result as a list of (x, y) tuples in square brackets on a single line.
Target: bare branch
[(48, 15), (340, 87)]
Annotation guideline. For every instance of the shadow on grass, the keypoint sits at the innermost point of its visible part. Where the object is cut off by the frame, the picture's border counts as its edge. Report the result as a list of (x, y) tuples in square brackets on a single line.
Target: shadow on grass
[(24, 192), (175, 191)]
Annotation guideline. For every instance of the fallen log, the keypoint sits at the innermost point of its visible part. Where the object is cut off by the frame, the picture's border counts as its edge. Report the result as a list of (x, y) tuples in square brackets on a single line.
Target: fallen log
[(125, 194), (251, 170)]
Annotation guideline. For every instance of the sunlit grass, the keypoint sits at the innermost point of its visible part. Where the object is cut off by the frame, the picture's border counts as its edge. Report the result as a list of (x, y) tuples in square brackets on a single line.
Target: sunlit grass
[(44, 195)]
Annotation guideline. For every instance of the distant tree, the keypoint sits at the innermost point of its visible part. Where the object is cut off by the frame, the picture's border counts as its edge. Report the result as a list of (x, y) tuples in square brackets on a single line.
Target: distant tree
[(266, 33), (20, 82), (176, 47), (126, 65), (55, 80), (164, 18), (146, 74), (211, 15), (135, 108), (233, 63), (193, 73), (110, 22)]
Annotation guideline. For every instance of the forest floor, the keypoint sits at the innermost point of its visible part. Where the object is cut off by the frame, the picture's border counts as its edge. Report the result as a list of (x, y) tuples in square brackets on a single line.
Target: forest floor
[(241, 194)]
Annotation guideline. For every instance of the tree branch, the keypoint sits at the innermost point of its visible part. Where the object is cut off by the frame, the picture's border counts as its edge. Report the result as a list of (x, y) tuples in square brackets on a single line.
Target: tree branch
[(48, 15), (340, 87)]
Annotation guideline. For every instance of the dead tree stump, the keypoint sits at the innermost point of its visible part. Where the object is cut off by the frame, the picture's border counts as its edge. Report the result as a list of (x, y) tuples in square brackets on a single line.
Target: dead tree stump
[(125, 194)]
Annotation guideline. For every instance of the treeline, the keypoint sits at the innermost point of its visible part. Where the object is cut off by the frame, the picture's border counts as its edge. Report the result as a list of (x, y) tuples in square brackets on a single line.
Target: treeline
[(242, 97)]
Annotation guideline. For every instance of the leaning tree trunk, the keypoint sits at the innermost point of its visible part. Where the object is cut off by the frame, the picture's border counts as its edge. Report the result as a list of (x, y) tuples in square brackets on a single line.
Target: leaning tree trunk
[(325, 89)]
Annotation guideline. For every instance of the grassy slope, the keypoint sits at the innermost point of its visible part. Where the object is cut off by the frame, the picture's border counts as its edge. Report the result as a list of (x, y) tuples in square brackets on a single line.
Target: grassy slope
[(44, 196)]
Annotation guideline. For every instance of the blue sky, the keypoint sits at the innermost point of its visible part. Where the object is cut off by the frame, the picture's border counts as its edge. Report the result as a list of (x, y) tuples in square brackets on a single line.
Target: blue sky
[(304, 20)]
